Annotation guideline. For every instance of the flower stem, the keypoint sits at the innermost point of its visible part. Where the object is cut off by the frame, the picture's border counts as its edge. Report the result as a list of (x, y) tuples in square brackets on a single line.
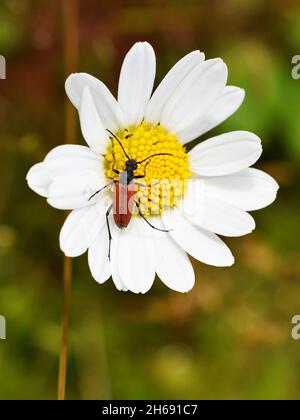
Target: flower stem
[(70, 39), (62, 373)]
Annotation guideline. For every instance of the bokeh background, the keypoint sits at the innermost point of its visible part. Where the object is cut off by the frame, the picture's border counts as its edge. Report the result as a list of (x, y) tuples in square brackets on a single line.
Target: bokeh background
[(230, 337)]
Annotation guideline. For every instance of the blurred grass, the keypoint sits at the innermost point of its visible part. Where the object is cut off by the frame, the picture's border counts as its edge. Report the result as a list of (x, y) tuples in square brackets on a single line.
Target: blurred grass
[(230, 336)]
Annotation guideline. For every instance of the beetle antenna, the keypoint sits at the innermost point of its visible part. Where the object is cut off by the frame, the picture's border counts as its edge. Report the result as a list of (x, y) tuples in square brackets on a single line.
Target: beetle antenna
[(119, 143), (156, 154)]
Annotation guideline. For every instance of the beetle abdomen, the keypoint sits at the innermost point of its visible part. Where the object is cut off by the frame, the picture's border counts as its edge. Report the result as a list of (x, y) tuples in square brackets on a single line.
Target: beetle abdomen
[(123, 204)]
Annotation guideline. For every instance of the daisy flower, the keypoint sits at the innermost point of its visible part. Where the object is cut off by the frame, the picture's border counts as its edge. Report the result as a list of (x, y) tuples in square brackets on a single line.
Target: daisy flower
[(180, 201)]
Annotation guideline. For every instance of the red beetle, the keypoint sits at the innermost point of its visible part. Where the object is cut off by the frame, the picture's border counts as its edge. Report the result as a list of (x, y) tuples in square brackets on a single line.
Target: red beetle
[(124, 192)]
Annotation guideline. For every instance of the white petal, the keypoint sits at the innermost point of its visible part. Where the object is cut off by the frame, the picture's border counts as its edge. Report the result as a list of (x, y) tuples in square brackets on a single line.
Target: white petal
[(98, 257), (203, 245), (173, 266), (214, 214), (136, 82), (229, 101), (107, 106), (169, 84), (69, 159), (115, 232), (195, 94), (38, 179), (250, 189), (80, 229), (74, 191), (136, 261), (92, 128), (73, 151), (225, 154)]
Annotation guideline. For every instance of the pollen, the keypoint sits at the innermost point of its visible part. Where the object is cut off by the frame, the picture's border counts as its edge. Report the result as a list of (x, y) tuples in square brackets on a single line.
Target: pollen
[(162, 178)]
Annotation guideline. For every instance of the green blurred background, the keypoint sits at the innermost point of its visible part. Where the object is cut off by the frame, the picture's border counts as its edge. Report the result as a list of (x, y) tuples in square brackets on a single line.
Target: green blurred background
[(230, 337)]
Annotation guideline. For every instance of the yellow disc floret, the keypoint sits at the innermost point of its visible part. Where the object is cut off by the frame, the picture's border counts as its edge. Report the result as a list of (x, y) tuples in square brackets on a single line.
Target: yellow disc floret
[(162, 186)]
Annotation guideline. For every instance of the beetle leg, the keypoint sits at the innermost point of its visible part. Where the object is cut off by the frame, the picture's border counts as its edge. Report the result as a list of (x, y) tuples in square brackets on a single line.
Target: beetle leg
[(108, 229), (101, 189), (146, 186), (97, 192), (141, 185), (147, 221), (142, 176)]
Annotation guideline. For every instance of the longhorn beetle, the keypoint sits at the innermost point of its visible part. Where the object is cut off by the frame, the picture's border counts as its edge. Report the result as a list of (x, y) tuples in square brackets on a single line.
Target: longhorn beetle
[(124, 191)]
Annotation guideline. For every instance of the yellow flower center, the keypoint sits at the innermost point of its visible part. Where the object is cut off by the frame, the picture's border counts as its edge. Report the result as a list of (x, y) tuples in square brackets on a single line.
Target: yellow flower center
[(162, 186)]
